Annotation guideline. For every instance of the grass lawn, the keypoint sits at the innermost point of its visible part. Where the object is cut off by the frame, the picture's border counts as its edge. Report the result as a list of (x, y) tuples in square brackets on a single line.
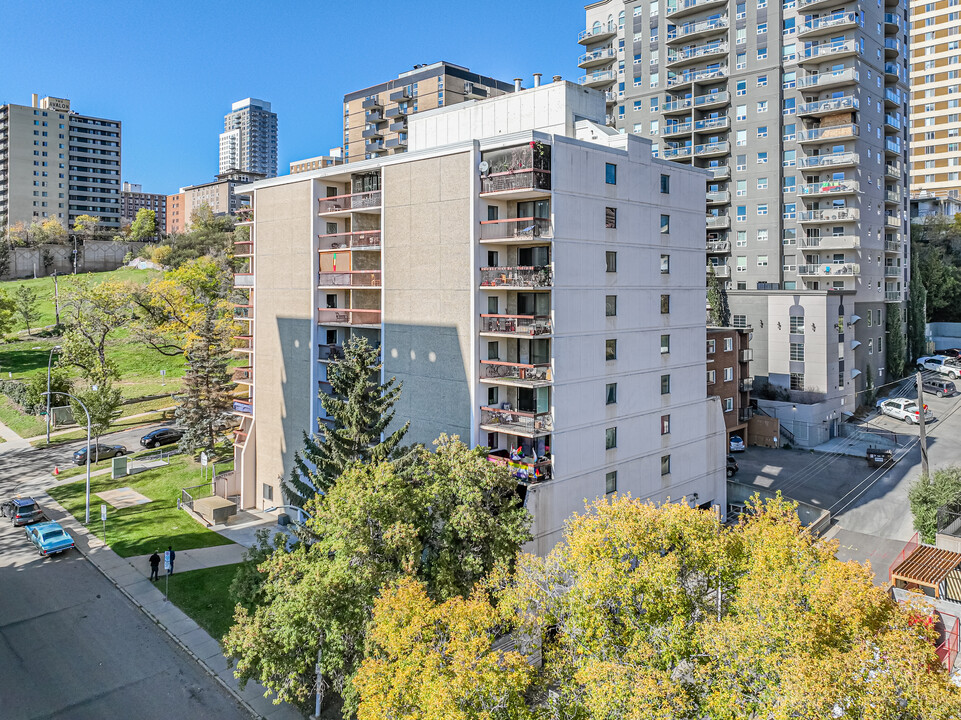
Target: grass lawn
[(202, 594), (22, 424), (116, 426), (141, 529), (44, 289)]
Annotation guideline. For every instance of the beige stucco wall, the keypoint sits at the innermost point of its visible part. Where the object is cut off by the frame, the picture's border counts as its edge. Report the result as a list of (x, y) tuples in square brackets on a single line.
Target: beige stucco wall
[(428, 285), (284, 310)]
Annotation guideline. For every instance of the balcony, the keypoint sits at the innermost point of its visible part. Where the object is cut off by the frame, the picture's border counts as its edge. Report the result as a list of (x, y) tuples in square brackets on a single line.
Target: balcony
[(694, 30), (718, 246), (721, 197), (892, 271), (597, 57), (892, 145), (893, 71), (243, 280), (374, 146), (243, 248), (515, 230), (711, 149), (243, 343), (610, 97), (401, 94), (747, 384), (829, 270), (892, 295), (516, 277), (244, 407), (600, 31), (243, 375), (693, 76), (831, 160), (597, 79), (892, 168), (372, 132), (692, 54), (812, 4), (245, 215), (892, 47), (892, 246), (834, 78), (521, 326), (828, 50), (524, 469), (327, 353), (829, 187), (828, 134), (516, 422), (373, 116), (359, 240), (516, 374), (892, 24), (346, 204), (827, 107), (892, 122), (744, 414), (243, 312), (517, 172), (398, 111), (829, 23), (397, 142), (348, 317), (892, 195), (830, 242), (372, 103), (711, 124), (349, 278), (689, 7), (398, 125), (710, 100), (829, 215), (721, 172), (677, 129), (721, 271), (718, 222), (678, 153), (892, 221), (893, 98)]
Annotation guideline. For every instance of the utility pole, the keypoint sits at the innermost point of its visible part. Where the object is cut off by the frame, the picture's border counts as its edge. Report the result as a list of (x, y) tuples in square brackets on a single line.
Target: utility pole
[(56, 297), (924, 440)]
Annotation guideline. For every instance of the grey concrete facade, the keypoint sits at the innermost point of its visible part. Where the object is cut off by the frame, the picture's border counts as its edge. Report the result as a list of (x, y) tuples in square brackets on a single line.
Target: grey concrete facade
[(249, 140)]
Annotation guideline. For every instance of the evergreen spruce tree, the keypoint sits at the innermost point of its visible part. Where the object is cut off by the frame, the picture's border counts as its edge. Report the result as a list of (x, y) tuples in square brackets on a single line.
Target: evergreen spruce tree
[(717, 299), (361, 409), (896, 342), (917, 311)]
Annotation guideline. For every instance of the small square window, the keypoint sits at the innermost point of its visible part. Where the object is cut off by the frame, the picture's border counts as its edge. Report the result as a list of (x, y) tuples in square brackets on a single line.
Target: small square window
[(610, 482), (665, 264), (728, 374), (665, 464), (728, 404), (610, 173), (665, 183), (728, 344), (665, 344), (610, 438), (665, 224), (711, 377), (610, 259), (611, 394), (268, 492), (711, 346), (610, 217), (610, 305), (665, 304), (610, 347), (665, 424)]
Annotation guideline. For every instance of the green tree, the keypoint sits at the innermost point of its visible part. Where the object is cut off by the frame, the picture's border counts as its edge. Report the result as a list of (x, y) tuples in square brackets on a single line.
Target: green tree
[(92, 314), (103, 403), (87, 226), (362, 410), (717, 300), (927, 494), (247, 587), (917, 312), (144, 225), (205, 400), (446, 521), (27, 305), (5, 253), (8, 311), (35, 400), (896, 341)]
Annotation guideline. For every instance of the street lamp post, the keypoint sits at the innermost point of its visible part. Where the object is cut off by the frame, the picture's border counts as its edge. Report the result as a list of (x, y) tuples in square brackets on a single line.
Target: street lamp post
[(87, 412), (55, 348)]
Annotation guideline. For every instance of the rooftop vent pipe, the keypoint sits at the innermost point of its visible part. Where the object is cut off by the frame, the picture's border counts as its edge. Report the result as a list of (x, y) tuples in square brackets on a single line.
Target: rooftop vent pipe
[(517, 85), (537, 79)]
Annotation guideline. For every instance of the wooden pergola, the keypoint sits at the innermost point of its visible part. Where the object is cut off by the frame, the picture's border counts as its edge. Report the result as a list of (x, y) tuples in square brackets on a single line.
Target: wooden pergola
[(925, 567)]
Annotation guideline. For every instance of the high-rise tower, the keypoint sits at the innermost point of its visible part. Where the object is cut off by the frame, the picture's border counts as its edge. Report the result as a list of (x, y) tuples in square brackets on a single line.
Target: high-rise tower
[(249, 140)]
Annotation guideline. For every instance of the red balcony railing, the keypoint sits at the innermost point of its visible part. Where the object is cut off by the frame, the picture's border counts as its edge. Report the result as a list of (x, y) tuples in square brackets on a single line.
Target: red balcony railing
[(516, 324), (526, 277), (244, 407), (350, 240), (346, 316), (244, 343), (498, 369), (349, 278), (524, 468), (353, 201), (516, 422), (524, 179), (516, 229), (244, 312)]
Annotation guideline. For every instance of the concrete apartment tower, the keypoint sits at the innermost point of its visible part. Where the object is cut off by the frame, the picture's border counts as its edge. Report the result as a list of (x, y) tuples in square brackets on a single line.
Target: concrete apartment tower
[(532, 277), (133, 199), (798, 110), (57, 163), (249, 140), (935, 99), (375, 118)]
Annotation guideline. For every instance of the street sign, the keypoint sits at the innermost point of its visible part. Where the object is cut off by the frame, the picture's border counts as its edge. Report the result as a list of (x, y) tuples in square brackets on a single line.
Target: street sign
[(203, 459), (103, 513), (167, 560)]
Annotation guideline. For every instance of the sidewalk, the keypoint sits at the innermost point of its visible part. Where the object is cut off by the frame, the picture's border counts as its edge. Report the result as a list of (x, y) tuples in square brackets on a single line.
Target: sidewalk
[(12, 439), (131, 577)]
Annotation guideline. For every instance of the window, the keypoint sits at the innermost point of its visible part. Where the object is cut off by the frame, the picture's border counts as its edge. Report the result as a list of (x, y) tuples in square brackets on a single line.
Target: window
[(711, 377), (762, 80), (610, 217), (728, 344), (740, 112), (789, 158), (610, 438), (665, 424), (740, 187), (665, 304), (870, 346), (728, 404), (741, 162), (762, 260), (741, 239), (268, 492), (610, 173), (665, 184), (711, 346), (740, 137), (762, 53), (741, 88), (665, 264), (797, 325), (665, 344), (761, 28), (762, 183), (665, 224), (728, 374), (739, 321), (762, 131), (610, 349), (762, 158), (610, 482), (740, 213), (762, 209), (611, 393), (762, 235), (610, 259), (610, 305), (665, 464), (741, 60), (797, 352), (797, 381)]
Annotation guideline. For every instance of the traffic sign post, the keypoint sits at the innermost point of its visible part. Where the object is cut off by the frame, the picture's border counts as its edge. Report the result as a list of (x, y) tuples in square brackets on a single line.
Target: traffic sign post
[(163, 377), (103, 519), (203, 466), (167, 567)]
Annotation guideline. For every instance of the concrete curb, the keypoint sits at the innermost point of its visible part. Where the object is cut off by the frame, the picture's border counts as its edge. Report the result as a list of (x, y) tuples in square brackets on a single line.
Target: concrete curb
[(84, 549)]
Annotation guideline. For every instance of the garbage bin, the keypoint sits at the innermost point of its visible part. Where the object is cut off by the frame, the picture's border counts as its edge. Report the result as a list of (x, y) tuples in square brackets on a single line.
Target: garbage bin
[(283, 519)]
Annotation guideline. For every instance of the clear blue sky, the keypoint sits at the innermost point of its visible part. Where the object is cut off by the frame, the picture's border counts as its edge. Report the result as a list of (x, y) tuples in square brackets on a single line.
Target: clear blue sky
[(170, 70)]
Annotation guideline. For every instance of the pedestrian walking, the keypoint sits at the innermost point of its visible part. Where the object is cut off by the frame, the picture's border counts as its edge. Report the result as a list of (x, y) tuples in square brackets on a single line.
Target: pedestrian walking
[(155, 566), (170, 550)]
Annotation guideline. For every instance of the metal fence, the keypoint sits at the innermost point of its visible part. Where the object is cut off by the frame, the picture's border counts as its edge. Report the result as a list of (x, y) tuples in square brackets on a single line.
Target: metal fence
[(949, 518)]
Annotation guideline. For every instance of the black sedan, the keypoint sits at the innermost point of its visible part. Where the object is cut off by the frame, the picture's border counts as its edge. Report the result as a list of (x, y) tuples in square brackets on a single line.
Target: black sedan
[(161, 436), (100, 452)]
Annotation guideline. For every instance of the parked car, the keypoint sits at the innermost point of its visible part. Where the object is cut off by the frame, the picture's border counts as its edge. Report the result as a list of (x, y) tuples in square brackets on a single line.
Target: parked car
[(906, 410), (100, 452), (950, 352), (731, 466), (737, 443), (941, 388), (161, 436), (49, 538), (940, 364), (22, 511)]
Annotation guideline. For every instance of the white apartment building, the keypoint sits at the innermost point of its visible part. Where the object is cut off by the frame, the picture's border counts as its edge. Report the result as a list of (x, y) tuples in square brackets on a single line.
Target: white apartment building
[(249, 140), (533, 278)]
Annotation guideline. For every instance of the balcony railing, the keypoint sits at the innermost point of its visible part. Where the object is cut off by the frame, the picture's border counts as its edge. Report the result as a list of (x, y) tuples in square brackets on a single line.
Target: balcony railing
[(829, 187), (892, 221), (243, 280), (719, 246), (597, 33), (516, 324), (848, 102), (829, 269), (326, 353), (522, 277), (359, 240), (745, 414), (245, 215), (721, 271), (354, 201), (697, 76), (827, 22), (694, 29), (602, 77), (892, 168), (347, 316), (824, 134), (718, 222), (526, 228), (244, 407), (524, 469), (244, 312), (691, 6), (692, 53), (244, 343), (669, 153), (747, 384), (893, 145), (829, 160), (525, 372), (831, 242), (713, 98), (718, 123), (847, 75), (841, 47), (830, 215), (892, 271), (523, 179), (349, 278), (715, 148), (720, 197), (892, 196), (243, 375), (892, 246), (893, 96), (894, 20), (597, 56), (516, 422), (892, 295), (721, 172)]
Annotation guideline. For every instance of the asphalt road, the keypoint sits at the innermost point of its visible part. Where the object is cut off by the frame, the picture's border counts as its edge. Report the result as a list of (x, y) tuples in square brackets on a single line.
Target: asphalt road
[(72, 647)]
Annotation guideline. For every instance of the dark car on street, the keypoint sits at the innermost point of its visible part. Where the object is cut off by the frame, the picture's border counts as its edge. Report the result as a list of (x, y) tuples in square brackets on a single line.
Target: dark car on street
[(161, 436), (99, 452), (22, 511), (732, 467), (950, 352)]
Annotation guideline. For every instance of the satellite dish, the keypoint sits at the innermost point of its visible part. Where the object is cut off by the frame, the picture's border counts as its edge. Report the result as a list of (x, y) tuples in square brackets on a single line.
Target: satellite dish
[(484, 166)]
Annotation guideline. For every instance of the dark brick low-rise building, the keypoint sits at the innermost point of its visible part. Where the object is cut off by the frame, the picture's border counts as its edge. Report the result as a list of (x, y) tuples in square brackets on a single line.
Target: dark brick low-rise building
[(729, 358), (133, 198)]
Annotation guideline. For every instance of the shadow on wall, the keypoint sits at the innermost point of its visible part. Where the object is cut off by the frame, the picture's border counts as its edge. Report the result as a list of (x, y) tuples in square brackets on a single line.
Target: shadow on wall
[(293, 407)]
